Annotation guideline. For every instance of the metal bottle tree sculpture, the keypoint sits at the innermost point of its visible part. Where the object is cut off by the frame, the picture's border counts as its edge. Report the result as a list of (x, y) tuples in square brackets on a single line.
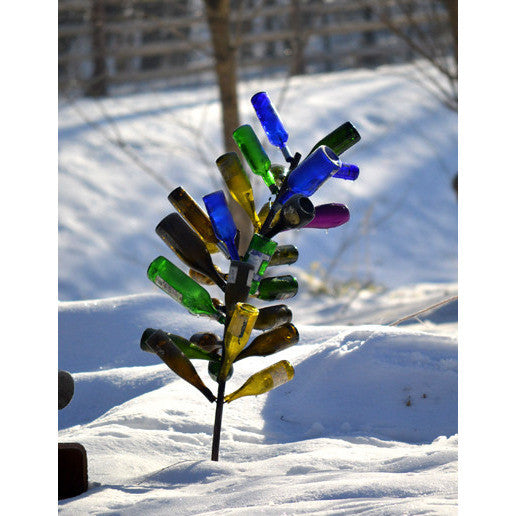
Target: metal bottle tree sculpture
[(194, 235)]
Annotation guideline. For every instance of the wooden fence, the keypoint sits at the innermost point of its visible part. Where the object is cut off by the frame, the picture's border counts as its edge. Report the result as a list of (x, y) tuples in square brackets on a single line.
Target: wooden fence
[(127, 42)]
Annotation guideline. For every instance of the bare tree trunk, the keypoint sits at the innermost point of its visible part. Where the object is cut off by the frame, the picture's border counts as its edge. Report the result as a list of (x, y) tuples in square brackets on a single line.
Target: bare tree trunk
[(217, 14), (453, 17), (98, 81)]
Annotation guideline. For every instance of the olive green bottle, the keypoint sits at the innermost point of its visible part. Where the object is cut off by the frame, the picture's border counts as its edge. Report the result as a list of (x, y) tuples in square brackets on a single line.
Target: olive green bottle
[(277, 287), (238, 184), (270, 342), (264, 381), (295, 213), (176, 360), (188, 246), (191, 350), (272, 316), (284, 255), (340, 139), (207, 341)]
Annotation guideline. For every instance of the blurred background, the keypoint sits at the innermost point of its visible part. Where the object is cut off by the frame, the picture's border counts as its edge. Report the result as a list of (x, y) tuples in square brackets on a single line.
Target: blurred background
[(150, 92)]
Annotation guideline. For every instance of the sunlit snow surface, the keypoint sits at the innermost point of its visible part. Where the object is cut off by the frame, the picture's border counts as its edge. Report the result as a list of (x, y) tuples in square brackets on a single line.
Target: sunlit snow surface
[(369, 422)]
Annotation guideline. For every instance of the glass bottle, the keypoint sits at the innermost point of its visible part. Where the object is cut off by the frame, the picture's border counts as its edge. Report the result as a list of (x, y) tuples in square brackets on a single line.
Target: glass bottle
[(240, 277), (310, 174), (255, 155), (284, 255), (295, 213), (222, 221), (176, 360), (279, 172), (185, 242), (182, 288), (238, 184), (258, 254), (340, 139), (195, 216), (214, 370), (271, 122), (270, 342), (264, 381), (190, 350), (329, 216), (347, 171), (277, 287), (237, 334), (207, 341), (272, 316)]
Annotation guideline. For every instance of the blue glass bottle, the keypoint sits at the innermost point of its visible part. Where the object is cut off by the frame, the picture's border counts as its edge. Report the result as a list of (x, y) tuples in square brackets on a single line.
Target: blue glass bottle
[(310, 174), (347, 171), (222, 221), (271, 122)]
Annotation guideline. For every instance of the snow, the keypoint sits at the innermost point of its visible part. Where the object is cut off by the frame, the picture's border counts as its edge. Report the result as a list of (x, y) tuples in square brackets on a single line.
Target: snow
[(369, 422)]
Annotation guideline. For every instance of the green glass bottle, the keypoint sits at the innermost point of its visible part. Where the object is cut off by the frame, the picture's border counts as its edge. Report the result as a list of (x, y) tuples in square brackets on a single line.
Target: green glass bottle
[(182, 288), (340, 139), (277, 287), (258, 254), (207, 341), (197, 218), (264, 381), (188, 246), (176, 360), (284, 255), (272, 316), (270, 342), (189, 349), (214, 370), (255, 155), (237, 334), (238, 184)]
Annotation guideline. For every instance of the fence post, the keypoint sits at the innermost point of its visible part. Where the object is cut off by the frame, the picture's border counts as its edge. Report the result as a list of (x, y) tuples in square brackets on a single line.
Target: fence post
[(97, 86)]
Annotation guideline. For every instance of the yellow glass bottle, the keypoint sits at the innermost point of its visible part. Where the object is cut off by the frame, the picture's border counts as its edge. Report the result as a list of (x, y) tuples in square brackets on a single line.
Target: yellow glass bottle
[(238, 184), (237, 334), (195, 216), (264, 381)]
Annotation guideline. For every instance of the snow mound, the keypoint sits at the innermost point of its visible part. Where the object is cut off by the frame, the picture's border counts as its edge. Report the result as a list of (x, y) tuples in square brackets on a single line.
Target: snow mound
[(387, 383)]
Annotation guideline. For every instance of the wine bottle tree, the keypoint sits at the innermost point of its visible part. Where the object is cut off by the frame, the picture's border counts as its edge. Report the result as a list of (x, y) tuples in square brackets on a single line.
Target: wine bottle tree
[(194, 234)]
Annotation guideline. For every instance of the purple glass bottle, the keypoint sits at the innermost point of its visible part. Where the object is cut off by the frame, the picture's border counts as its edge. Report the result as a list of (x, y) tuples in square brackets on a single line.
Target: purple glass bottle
[(329, 216)]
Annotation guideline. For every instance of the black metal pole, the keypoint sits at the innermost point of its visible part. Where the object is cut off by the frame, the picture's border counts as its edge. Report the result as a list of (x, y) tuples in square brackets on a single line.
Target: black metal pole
[(217, 426)]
